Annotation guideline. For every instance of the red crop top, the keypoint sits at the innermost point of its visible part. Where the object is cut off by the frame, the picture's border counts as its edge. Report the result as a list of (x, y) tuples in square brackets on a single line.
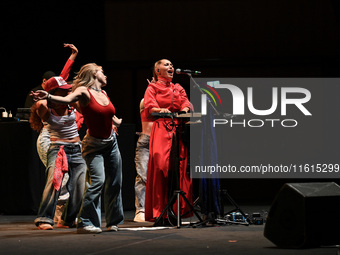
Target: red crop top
[(98, 118)]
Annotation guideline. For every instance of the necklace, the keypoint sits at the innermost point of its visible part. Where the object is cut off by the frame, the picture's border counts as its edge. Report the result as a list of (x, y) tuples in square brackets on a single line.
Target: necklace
[(98, 90)]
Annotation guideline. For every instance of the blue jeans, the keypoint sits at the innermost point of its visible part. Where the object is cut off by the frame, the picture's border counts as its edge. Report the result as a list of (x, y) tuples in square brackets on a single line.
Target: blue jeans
[(105, 170), (75, 186)]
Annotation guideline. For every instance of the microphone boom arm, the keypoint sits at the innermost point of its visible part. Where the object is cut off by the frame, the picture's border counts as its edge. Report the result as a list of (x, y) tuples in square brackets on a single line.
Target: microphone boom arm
[(199, 88)]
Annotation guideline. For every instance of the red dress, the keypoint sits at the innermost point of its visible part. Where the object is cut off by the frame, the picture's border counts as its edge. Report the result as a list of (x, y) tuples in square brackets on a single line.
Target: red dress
[(164, 94)]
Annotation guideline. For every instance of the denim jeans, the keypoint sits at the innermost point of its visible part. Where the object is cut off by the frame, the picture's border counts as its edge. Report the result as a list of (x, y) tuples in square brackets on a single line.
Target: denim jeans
[(43, 144), (75, 185), (105, 170), (141, 161)]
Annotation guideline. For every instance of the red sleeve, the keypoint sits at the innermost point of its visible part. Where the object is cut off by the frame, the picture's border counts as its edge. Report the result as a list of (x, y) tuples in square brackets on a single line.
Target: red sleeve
[(150, 99), (184, 98), (66, 70), (79, 119)]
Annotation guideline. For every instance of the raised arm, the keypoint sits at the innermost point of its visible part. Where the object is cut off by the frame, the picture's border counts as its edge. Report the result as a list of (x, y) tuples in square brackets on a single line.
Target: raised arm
[(69, 63), (74, 50)]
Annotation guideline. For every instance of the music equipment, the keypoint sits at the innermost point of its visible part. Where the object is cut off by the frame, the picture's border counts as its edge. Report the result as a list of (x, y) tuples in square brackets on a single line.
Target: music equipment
[(177, 115), (305, 215), (186, 71)]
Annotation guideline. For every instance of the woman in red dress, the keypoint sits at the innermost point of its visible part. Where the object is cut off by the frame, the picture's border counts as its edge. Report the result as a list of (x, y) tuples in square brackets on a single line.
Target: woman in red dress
[(162, 96)]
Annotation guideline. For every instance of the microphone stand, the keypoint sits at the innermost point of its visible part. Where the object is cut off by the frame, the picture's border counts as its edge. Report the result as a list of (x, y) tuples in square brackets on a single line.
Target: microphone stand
[(199, 89), (226, 115), (224, 191)]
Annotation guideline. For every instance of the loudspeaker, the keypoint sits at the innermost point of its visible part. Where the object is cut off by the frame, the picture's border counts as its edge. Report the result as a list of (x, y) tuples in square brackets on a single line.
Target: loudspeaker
[(305, 215)]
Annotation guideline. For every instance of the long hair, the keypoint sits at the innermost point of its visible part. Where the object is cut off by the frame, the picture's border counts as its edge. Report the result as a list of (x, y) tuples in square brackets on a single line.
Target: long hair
[(85, 76), (155, 76), (35, 121)]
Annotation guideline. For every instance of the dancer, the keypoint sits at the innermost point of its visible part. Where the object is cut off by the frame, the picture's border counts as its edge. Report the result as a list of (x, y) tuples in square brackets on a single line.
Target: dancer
[(165, 97), (99, 149), (64, 155), (141, 161), (43, 141)]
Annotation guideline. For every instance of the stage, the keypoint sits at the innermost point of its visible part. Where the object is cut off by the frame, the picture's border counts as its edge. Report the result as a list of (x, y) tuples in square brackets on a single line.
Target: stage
[(18, 235)]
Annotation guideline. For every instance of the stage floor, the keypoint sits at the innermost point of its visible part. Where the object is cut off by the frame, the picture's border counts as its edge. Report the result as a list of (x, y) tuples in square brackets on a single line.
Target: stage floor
[(18, 235)]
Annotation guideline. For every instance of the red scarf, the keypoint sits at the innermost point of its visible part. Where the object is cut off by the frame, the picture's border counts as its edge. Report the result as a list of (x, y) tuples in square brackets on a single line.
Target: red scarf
[(61, 167)]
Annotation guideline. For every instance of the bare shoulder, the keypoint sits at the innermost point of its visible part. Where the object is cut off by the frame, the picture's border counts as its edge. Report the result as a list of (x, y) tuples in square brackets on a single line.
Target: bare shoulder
[(81, 89), (83, 95)]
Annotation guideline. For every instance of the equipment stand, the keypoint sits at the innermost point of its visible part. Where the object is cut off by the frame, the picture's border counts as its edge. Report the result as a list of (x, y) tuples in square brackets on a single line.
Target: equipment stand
[(237, 209), (177, 195)]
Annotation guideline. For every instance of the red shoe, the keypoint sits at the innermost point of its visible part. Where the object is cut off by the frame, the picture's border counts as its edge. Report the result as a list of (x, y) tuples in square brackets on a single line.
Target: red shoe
[(45, 226), (63, 224), (60, 225)]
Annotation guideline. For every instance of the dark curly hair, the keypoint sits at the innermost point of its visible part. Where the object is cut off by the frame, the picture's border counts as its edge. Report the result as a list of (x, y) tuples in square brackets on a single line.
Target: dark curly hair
[(35, 121)]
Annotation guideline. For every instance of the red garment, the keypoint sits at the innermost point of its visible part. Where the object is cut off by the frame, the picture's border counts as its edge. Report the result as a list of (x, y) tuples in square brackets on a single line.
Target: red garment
[(98, 118), (164, 94), (61, 167), (61, 164), (66, 70), (79, 120)]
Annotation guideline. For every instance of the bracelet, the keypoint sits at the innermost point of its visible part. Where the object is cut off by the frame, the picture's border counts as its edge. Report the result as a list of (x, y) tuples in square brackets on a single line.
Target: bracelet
[(48, 96)]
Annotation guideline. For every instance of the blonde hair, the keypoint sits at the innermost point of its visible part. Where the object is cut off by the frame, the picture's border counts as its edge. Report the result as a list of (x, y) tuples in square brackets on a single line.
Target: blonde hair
[(155, 76), (86, 75)]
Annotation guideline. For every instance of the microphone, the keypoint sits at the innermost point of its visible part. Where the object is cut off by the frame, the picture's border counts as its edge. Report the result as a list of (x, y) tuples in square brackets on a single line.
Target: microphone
[(186, 71)]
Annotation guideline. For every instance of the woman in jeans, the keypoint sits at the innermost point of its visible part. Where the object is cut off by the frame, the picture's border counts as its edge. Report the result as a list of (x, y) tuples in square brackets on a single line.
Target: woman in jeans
[(99, 149), (43, 141), (64, 155)]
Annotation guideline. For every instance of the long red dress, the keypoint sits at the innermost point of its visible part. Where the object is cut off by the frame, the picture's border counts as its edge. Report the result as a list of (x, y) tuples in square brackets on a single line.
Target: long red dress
[(164, 94)]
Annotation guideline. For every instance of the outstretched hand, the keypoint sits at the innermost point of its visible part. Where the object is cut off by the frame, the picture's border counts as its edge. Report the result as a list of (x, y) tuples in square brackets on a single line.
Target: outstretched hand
[(39, 95)]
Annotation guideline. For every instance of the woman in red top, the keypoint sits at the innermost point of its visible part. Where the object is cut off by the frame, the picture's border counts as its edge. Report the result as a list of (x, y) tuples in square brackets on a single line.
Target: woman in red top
[(99, 149), (165, 97)]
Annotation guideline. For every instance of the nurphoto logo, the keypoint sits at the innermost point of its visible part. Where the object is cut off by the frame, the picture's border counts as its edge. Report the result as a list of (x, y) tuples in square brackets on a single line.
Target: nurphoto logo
[(301, 97)]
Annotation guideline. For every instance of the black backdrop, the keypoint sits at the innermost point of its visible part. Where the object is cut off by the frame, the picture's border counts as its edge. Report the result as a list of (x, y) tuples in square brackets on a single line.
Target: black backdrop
[(222, 38)]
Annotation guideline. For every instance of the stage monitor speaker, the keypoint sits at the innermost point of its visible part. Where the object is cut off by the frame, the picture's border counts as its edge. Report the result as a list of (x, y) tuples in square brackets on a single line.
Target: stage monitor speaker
[(305, 215)]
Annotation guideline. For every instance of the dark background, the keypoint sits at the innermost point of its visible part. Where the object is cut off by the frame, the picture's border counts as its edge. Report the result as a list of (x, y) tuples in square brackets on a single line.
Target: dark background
[(222, 38), (230, 38)]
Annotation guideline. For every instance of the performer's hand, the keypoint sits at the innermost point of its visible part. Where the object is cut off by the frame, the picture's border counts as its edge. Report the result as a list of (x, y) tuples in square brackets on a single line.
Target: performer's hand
[(152, 81), (39, 95), (164, 110), (115, 129), (74, 50), (72, 47), (116, 121), (186, 109)]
